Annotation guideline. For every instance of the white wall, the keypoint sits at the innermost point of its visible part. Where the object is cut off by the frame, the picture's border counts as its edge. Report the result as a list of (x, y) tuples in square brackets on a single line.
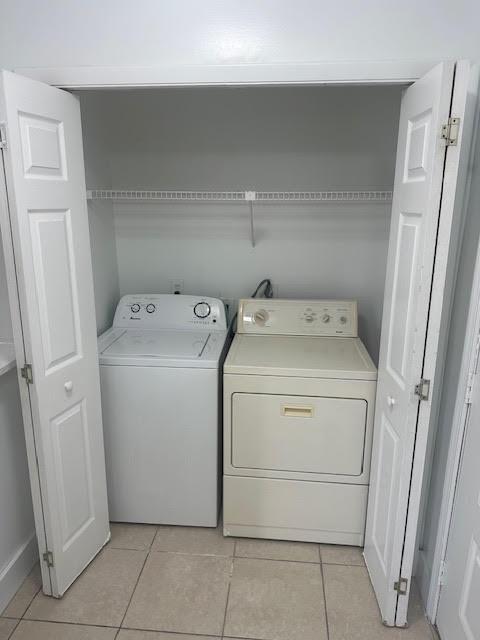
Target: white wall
[(100, 214), (256, 138), (17, 531), (182, 32)]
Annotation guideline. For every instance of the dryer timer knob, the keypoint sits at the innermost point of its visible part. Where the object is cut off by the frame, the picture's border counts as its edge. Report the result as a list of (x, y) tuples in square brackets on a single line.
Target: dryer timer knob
[(260, 317)]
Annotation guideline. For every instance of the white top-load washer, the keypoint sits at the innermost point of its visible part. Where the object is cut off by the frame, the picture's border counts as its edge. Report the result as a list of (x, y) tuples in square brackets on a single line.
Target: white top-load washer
[(299, 397), (160, 373)]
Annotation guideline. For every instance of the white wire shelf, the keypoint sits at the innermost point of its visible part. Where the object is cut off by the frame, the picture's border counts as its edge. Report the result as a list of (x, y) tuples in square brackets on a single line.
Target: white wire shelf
[(251, 198), (240, 196)]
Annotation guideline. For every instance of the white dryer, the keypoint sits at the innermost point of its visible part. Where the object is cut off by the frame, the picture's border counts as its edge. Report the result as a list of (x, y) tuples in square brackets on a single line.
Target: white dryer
[(160, 373), (299, 397)]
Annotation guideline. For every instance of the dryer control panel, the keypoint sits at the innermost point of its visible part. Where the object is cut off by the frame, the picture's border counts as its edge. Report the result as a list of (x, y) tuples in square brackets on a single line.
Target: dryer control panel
[(170, 311), (270, 316)]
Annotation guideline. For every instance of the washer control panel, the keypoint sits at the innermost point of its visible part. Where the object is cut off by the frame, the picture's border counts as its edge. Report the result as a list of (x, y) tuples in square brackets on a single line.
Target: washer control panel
[(298, 317), (170, 311)]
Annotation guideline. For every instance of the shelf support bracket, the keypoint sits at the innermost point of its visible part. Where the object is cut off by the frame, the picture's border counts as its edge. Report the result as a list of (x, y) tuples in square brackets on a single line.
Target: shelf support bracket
[(250, 197)]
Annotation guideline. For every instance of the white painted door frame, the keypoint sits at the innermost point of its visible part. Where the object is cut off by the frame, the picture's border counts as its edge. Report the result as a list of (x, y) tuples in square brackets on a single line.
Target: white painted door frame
[(321, 73), (460, 418), (348, 73)]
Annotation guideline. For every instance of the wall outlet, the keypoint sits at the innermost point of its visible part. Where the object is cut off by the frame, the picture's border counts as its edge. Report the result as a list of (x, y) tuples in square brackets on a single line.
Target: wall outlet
[(176, 286)]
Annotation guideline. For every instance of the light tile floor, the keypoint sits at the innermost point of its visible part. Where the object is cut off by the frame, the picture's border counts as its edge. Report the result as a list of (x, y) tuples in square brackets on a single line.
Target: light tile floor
[(180, 583)]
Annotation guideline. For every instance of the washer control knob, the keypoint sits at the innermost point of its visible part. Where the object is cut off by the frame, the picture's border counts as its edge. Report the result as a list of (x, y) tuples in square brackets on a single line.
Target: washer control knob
[(135, 308), (151, 307), (309, 318), (202, 309), (343, 320), (325, 318), (260, 317)]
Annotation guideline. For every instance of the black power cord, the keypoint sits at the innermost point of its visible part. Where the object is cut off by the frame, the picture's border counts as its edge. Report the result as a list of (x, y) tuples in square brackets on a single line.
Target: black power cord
[(267, 291)]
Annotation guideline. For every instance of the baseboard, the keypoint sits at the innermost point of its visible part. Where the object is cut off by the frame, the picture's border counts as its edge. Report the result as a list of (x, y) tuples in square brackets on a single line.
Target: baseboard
[(17, 569)]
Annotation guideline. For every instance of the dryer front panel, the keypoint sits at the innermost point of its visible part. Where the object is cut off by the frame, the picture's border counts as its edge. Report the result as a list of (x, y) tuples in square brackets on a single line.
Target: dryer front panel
[(305, 434), (298, 428)]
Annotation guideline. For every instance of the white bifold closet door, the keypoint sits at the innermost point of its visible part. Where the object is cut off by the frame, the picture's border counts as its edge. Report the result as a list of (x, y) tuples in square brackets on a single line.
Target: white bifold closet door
[(47, 247), (458, 616), (424, 227)]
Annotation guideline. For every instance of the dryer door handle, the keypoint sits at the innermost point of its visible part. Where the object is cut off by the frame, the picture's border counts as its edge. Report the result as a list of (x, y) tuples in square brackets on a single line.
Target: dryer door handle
[(291, 411)]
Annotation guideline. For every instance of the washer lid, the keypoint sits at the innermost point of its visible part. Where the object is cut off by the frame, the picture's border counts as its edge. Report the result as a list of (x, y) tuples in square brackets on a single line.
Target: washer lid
[(301, 356), (158, 344)]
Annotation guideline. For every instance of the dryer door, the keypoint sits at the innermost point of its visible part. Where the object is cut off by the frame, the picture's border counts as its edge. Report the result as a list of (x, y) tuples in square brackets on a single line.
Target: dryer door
[(298, 433)]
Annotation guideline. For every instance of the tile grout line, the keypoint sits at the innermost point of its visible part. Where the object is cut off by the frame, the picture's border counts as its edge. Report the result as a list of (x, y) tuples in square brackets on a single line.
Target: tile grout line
[(133, 590), (157, 529), (114, 627), (138, 580), (29, 602), (222, 555), (69, 622), (276, 559), (14, 628), (180, 634), (324, 593), (232, 560)]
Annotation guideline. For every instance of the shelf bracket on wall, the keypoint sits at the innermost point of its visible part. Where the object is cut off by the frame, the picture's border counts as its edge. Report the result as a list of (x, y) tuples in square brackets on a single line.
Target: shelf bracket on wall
[(250, 197)]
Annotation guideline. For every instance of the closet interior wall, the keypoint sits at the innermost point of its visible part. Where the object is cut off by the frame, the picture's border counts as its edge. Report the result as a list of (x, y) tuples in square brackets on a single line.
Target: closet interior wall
[(96, 149), (250, 138)]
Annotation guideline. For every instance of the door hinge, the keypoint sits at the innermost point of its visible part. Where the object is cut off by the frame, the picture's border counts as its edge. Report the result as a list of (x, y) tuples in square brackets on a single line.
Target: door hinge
[(3, 136), (450, 131), (442, 578), (48, 558), (422, 389), (27, 373), (401, 586)]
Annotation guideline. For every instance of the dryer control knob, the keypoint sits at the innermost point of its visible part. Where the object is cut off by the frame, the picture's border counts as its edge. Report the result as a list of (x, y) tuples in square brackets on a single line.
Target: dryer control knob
[(325, 318), (150, 308), (135, 308), (260, 317)]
